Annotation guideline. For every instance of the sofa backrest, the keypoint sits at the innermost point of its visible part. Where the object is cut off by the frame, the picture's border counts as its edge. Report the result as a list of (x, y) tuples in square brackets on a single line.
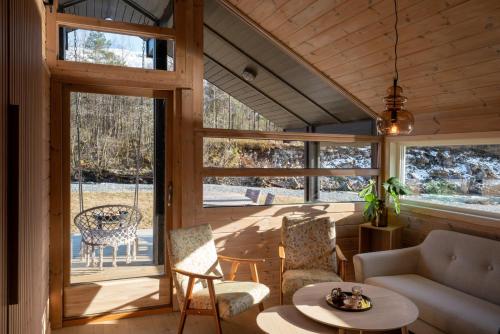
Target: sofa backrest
[(467, 263)]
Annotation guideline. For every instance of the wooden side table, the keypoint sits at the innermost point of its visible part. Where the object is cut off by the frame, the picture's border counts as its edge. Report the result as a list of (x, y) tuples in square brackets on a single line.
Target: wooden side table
[(372, 238)]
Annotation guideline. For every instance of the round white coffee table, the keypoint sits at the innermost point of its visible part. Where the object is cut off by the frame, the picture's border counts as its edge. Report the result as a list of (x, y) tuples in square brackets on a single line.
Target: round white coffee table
[(390, 310), (286, 319)]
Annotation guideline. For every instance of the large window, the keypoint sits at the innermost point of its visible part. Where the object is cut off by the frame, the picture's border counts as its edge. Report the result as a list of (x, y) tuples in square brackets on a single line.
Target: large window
[(96, 47), (460, 176), (251, 153), (286, 169), (223, 111)]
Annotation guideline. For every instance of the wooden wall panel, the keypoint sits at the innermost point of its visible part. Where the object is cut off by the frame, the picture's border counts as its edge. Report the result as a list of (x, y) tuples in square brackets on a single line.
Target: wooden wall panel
[(254, 232), (29, 82), (448, 53), (3, 110), (418, 223)]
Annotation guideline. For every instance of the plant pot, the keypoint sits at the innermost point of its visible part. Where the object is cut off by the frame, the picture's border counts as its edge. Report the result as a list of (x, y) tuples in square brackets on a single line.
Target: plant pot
[(381, 220)]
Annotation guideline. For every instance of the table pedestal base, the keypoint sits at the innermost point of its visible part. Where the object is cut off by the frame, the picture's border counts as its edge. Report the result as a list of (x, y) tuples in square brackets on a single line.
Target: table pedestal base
[(404, 330)]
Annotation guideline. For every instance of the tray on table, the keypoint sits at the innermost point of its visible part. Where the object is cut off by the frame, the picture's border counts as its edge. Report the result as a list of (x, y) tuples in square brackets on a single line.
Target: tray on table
[(339, 304)]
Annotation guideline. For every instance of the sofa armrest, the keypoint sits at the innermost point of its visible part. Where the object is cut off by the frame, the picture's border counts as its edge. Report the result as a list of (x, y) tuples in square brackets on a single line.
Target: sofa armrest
[(386, 263)]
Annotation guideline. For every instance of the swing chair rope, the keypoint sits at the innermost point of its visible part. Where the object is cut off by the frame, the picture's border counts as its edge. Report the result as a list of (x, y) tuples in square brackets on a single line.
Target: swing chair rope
[(137, 156), (79, 155)]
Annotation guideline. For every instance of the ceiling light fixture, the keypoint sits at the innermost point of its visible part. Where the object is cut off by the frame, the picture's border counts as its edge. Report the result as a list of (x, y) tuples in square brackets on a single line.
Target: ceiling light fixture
[(249, 74), (395, 120)]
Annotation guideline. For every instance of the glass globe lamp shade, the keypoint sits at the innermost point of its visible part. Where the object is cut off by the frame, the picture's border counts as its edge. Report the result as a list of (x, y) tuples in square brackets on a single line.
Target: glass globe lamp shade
[(395, 119), (403, 125)]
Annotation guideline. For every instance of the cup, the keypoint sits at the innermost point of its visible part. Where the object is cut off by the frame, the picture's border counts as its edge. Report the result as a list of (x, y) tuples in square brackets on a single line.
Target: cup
[(357, 290)]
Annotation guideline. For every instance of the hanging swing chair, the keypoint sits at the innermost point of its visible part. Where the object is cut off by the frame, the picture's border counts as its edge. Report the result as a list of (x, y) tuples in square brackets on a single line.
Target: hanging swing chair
[(108, 225)]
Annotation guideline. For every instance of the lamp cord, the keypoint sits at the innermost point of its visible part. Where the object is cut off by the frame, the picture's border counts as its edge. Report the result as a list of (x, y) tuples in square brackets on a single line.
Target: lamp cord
[(396, 74)]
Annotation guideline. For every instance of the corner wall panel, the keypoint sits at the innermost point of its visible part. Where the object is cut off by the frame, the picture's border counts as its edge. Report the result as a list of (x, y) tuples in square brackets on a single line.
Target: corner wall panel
[(3, 110), (29, 88)]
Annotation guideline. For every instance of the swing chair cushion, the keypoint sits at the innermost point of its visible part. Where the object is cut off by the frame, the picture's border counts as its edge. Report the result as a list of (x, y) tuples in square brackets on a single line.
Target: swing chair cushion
[(108, 225)]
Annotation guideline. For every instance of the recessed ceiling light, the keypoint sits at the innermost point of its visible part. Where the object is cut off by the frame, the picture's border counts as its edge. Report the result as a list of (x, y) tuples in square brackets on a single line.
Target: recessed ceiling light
[(249, 74)]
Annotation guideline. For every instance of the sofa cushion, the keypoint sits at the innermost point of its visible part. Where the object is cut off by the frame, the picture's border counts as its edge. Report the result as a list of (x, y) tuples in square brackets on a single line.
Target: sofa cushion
[(461, 261), (445, 308)]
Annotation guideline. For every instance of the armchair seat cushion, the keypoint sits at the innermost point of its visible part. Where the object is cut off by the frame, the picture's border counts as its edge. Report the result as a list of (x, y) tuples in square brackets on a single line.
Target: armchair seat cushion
[(448, 309), (232, 297), (298, 278)]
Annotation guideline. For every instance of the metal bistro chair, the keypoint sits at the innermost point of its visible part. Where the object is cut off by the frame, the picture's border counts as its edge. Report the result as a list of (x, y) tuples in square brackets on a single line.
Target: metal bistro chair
[(108, 226)]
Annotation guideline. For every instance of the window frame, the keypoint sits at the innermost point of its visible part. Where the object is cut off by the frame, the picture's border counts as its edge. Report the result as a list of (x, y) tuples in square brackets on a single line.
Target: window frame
[(73, 71), (395, 165), (285, 172)]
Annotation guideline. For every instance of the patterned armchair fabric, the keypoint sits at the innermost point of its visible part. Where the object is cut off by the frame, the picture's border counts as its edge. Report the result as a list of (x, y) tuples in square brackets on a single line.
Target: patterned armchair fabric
[(193, 250), (233, 297), (296, 279), (310, 253), (309, 243)]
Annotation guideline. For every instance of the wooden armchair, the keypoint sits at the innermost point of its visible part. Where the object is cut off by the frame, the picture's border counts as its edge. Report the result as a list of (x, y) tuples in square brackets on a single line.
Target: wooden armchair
[(308, 254), (199, 281)]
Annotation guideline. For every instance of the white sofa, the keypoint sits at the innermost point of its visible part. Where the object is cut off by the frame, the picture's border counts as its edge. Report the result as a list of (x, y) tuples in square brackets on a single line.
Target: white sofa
[(453, 278)]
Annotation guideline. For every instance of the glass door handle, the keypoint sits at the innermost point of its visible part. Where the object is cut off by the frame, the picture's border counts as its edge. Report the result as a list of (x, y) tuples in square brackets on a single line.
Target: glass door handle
[(170, 192)]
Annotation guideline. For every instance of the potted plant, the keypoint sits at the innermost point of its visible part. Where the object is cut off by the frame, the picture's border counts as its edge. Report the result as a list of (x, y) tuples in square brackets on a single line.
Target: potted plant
[(375, 210)]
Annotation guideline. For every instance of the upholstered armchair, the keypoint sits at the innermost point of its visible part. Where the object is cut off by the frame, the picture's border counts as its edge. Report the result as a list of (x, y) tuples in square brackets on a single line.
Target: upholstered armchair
[(308, 254), (199, 280)]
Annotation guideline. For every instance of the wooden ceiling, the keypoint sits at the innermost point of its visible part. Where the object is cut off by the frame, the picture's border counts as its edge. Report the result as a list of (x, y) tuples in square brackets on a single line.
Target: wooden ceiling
[(449, 51), (283, 91)]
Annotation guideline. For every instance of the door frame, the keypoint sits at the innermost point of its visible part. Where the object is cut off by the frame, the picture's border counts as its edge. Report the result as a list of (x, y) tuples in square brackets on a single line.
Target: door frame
[(60, 219)]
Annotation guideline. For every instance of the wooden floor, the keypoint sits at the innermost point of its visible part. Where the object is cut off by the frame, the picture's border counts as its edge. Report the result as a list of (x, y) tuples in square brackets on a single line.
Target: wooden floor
[(93, 274), (167, 324)]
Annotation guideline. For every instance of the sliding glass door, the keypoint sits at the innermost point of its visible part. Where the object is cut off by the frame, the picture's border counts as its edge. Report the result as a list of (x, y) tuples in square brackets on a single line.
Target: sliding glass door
[(119, 173)]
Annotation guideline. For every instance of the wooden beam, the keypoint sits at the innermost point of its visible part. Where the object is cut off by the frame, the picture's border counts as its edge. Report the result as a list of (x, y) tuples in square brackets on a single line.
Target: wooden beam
[(91, 23), (235, 172), (99, 74), (300, 136), (118, 90)]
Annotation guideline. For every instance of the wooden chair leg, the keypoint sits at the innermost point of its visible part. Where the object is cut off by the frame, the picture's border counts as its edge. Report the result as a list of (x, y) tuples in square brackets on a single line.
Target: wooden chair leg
[(182, 322), (215, 307), (261, 307), (254, 272), (234, 269), (187, 301)]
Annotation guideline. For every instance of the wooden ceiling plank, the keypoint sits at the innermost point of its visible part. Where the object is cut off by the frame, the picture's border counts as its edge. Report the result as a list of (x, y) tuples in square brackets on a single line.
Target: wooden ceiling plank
[(446, 35), (472, 49), (462, 73), (306, 16), (429, 62), (266, 9), (323, 29), (412, 15), (282, 14)]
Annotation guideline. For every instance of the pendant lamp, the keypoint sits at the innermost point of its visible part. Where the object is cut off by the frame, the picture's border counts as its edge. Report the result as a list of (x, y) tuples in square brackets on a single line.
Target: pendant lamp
[(395, 120)]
